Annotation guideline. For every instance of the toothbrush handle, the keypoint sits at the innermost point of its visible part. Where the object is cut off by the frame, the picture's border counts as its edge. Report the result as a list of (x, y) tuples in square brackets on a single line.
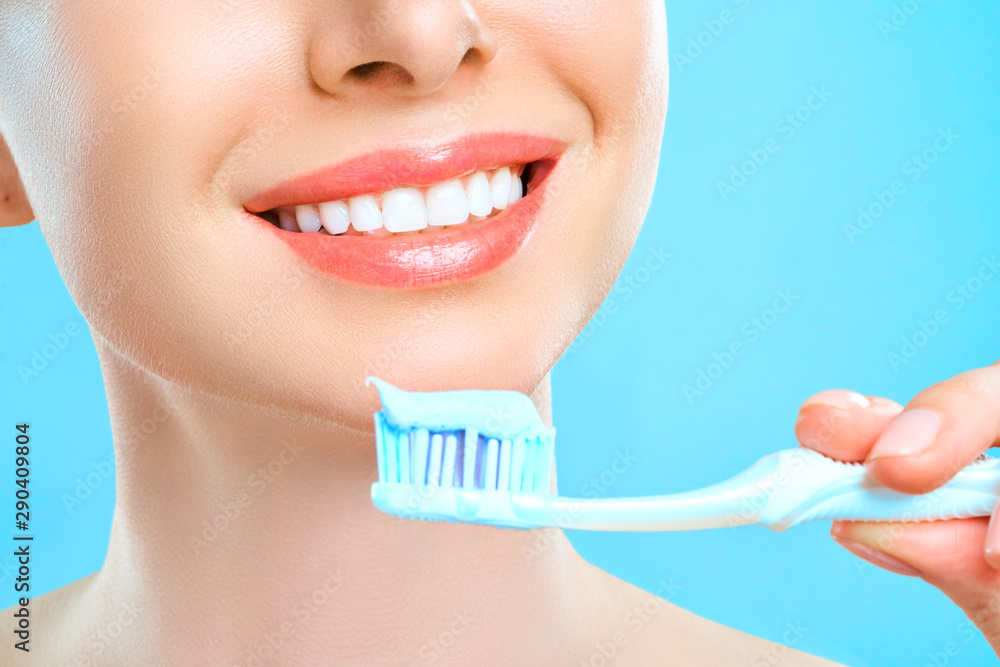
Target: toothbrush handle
[(781, 490), (815, 488)]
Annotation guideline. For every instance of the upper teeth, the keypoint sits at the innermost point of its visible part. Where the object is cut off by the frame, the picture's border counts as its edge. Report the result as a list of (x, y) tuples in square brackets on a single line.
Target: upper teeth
[(453, 202)]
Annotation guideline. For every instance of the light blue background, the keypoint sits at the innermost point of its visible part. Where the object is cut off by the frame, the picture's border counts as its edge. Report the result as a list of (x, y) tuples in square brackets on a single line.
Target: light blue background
[(620, 387)]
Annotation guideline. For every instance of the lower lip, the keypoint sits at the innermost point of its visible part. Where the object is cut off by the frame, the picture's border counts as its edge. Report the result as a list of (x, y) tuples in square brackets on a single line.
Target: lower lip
[(423, 260)]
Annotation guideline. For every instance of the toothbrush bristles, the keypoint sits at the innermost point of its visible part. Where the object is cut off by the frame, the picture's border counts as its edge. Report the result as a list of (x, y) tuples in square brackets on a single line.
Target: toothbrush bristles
[(463, 459)]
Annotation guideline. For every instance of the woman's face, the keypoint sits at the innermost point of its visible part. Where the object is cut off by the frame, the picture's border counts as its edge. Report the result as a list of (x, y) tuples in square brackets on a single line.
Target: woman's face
[(163, 146)]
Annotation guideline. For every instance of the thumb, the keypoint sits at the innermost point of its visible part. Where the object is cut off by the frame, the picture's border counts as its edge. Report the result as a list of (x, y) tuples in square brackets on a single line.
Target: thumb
[(946, 554)]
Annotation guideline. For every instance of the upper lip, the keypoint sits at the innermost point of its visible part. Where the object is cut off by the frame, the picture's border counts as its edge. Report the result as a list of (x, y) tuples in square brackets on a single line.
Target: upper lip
[(414, 166)]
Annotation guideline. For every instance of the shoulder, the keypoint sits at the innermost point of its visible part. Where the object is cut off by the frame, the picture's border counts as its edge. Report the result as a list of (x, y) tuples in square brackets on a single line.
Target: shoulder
[(53, 623), (647, 629)]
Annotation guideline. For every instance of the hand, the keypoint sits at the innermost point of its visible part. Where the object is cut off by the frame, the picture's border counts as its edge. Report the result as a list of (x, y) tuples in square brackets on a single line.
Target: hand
[(915, 450)]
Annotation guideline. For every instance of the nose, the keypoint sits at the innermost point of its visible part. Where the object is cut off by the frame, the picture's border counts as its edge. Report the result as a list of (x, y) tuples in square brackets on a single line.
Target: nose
[(408, 48)]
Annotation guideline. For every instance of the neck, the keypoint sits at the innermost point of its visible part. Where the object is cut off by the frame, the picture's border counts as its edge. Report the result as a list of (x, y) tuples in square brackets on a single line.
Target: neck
[(250, 534)]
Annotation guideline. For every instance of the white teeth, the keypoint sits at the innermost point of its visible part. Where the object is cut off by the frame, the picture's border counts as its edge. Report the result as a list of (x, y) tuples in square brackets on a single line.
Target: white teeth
[(365, 214), (286, 220), (410, 210), (515, 189), (308, 218), (500, 188), (336, 216), (403, 210), (447, 204), (480, 197)]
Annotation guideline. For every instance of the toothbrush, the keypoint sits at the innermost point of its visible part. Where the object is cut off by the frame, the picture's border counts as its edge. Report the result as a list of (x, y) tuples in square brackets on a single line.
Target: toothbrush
[(485, 457)]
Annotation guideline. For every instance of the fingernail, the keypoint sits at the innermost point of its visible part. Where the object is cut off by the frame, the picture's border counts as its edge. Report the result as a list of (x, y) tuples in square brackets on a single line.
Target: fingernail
[(911, 433), (993, 540), (875, 557), (838, 398)]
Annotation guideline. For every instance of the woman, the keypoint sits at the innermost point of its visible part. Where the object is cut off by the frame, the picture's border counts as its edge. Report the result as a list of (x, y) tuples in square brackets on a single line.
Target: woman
[(258, 203)]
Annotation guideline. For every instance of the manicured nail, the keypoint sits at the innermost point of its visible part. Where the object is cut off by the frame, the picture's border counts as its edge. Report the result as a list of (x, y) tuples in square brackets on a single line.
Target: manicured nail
[(838, 398), (993, 540), (875, 557), (911, 433)]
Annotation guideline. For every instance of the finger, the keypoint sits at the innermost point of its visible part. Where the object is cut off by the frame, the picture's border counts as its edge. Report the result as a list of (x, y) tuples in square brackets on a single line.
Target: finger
[(942, 430), (843, 424), (991, 550), (946, 554)]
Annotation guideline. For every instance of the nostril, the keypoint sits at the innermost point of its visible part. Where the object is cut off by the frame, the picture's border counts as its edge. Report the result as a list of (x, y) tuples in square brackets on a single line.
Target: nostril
[(381, 71), (476, 56), (367, 70)]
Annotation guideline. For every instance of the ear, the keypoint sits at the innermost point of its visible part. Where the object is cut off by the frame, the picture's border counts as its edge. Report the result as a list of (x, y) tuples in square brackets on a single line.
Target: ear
[(14, 207)]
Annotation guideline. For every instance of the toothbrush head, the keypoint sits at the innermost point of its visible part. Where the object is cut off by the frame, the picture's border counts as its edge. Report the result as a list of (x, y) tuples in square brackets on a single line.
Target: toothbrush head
[(460, 455)]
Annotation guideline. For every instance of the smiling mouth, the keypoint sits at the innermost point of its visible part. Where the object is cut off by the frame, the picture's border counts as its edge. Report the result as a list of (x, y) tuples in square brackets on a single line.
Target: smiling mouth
[(477, 196), (414, 217)]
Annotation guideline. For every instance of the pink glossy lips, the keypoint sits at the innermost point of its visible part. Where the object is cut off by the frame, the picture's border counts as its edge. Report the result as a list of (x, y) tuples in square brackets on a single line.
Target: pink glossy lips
[(432, 257)]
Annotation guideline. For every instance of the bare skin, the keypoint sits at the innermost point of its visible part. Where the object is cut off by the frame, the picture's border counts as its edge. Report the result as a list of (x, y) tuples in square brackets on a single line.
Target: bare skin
[(311, 568), (243, 531), (916, 449)]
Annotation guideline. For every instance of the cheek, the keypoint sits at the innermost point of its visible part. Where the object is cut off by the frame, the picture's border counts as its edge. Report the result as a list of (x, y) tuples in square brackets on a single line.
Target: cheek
[(135, 168), (137, 203), (612, 57)]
